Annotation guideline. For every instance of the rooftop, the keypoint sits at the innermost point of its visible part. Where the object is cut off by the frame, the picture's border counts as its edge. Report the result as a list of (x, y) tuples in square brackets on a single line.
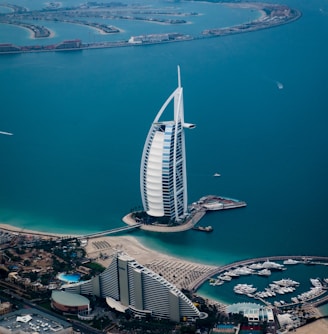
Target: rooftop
[(30, 321), (69, 299)]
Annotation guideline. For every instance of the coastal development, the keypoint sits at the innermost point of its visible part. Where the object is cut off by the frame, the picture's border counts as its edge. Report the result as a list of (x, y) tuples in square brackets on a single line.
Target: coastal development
[(38, 267), (89, 14), (96, 283)]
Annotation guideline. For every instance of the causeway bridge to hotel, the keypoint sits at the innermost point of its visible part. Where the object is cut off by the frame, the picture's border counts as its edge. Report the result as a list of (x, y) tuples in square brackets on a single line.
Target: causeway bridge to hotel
[(83, 236), (108, 232)]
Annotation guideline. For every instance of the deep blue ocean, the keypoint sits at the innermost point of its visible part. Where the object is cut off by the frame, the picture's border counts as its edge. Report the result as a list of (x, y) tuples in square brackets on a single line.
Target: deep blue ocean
[(80, 120)]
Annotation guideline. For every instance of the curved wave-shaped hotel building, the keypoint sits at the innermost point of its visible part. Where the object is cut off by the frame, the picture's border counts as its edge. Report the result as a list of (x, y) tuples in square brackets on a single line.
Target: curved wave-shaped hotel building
[(163, 179), (126, 284)]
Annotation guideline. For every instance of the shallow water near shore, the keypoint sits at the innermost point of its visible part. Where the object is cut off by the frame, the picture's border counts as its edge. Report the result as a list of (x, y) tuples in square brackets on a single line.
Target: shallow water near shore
[(80, 120)]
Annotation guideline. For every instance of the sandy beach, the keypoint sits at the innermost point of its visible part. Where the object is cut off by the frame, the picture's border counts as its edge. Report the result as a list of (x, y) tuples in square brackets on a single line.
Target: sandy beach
[(46, 235), (184, 274), (319, 326)]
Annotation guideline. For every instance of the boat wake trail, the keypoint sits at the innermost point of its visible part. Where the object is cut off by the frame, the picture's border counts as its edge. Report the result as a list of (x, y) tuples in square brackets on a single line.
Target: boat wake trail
[(6, 133)]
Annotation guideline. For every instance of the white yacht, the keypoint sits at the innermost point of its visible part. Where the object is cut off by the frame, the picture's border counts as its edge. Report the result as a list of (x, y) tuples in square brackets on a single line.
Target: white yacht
[(286, 282), (256, 266), (244, 271), (290, 261), (264, 272), (232, 273), (272, 265), (280, 291), (218, 282), (244, 289), (316, 282)]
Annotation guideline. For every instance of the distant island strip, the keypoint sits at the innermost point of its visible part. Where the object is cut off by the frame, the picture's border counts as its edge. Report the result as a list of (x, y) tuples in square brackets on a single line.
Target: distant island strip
[(271, 15)]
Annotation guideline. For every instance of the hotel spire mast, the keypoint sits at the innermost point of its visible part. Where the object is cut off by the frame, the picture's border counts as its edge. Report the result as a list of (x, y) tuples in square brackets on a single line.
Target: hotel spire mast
[(163, 177)]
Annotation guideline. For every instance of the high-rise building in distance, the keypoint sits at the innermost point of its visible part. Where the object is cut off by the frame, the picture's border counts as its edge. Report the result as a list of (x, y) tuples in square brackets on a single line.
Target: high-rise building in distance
[(163, 177)]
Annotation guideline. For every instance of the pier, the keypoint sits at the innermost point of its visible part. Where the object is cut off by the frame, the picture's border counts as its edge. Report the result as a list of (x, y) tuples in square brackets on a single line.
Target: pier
[(109, 232)]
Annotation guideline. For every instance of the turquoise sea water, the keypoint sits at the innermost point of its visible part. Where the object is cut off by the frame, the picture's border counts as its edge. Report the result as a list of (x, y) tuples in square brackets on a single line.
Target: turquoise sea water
[(80, 120)]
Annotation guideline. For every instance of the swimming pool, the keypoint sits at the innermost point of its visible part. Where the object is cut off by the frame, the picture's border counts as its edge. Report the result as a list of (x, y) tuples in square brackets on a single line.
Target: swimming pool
[(69, 278)]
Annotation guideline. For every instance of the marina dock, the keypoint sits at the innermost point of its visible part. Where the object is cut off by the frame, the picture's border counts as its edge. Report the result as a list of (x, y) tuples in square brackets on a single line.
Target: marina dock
[(301, 258)]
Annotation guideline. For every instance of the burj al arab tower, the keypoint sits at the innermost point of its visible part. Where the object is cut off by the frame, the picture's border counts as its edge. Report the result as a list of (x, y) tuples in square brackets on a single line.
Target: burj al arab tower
[(163, 177)]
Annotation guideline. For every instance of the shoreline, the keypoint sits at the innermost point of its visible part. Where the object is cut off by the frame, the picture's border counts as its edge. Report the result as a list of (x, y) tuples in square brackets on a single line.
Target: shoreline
[(187, 273), (182, 273), (43, 234), (100, 249)]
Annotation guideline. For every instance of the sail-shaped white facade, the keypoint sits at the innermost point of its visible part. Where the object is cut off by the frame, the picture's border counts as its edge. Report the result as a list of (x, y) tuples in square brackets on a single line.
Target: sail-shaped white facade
[(163, 178)]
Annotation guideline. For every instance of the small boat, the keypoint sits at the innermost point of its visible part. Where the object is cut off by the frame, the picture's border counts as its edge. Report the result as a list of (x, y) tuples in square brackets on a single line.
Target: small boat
[(203, 228), (316, 282), (6, 133), (280, 85), (218, 282), (216, 175), (290, 261)]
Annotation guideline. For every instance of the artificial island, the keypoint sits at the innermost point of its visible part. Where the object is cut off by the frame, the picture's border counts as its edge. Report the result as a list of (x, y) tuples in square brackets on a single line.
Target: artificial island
[(163, 176), (93, 14)]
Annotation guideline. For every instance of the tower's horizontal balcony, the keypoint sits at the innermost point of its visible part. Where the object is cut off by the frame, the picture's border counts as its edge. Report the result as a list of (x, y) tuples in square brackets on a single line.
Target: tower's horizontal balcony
[(155, 213)]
